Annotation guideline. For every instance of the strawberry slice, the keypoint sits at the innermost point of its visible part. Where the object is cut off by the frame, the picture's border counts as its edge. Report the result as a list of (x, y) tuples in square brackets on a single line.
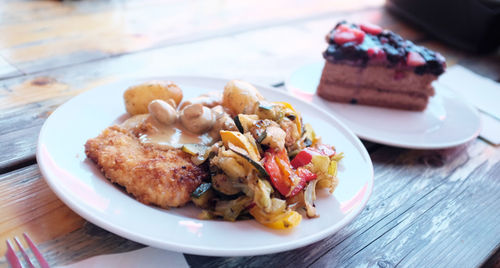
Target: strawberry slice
[(343, 28), (370, 28), (360, 35), (376, 52), (344, 37), (414, 59), (344, 34)]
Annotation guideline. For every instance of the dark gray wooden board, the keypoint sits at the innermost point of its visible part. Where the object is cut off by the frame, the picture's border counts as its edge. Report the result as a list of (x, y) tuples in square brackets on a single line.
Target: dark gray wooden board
[(428, 209), (17, 185), (425, 205)]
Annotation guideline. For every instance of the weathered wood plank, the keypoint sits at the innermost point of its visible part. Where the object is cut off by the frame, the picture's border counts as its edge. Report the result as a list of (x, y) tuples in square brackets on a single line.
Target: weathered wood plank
[(28, 205), (273, 52), (428, 209), (8, 70), (19, 131), (264, 62), (55, 41), (408, 208), (83, 243), (19, 11), (263, 56), (425, 203)]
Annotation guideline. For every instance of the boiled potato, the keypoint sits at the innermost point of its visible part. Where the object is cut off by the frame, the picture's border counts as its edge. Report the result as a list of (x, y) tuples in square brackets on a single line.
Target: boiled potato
[(240, 97), (137, 98)]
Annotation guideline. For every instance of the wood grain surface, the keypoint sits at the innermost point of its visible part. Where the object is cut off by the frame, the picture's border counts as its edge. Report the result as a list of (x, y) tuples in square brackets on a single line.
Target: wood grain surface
[(426, 206), (429, 208), (88, 34), (27, 100)]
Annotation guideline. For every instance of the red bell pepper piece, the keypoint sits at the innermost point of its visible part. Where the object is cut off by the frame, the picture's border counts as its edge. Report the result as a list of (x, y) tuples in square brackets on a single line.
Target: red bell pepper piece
[(301, 159), (277, 178), (305, 177), (304, 157), (306, 174), (298, 187), (280, 171)]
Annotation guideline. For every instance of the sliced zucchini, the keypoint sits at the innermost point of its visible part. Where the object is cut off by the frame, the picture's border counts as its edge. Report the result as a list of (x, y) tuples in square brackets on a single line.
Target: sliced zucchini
[(200, 153), (203, 188), (203, 195), (267, 111), (205, 200), (224, 184), (231, 167), (308, 142), (238, 124), (262, 136), (292, 117), (241, 141), (262, 171), (309, 135), (245, 121), (230, 210), (195, 149)]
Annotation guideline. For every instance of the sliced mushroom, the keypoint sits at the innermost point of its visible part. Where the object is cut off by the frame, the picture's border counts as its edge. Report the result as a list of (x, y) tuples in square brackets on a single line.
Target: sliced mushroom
[(223, 122), (197, 118), (163, 112)]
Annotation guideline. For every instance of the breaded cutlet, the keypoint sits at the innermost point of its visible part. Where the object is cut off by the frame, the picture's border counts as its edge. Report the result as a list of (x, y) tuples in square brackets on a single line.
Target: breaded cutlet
[(165, 178)]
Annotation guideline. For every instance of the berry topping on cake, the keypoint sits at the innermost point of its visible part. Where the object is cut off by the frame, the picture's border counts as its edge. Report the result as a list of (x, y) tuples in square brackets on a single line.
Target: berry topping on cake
[(414, 59), (368, 65), (370, 28), (369, 44), (376, 53), (344, 34)]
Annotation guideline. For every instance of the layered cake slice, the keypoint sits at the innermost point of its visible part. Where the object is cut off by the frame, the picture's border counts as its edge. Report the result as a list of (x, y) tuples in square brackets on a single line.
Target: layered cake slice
[(366, 64)]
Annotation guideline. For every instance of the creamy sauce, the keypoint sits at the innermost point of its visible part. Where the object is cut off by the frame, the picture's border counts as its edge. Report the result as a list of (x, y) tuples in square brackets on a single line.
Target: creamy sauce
[(173, 136), (210, 100), (134, 121)]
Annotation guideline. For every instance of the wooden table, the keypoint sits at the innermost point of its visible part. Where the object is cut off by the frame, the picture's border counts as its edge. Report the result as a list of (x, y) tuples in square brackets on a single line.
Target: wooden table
[(437, 208)]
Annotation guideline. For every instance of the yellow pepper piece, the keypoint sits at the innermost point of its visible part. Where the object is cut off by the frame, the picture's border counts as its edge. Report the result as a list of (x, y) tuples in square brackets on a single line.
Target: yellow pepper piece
[(291, 220), (241, 141), (332, 168), (297, 120)]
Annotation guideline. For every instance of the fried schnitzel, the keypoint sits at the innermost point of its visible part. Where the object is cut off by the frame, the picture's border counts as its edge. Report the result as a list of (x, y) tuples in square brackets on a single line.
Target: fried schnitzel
[(162, 177)]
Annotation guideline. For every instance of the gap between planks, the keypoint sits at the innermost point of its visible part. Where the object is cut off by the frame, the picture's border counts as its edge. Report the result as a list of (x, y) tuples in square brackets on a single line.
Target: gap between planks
[(216, 34)]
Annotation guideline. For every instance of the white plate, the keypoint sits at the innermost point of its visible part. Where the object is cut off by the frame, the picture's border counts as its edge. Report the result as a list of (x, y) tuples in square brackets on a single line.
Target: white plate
[(446, 122), (79, 184)]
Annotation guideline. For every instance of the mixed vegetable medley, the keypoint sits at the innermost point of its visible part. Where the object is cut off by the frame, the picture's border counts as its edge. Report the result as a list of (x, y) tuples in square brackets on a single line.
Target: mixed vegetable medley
[(267, 164)]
